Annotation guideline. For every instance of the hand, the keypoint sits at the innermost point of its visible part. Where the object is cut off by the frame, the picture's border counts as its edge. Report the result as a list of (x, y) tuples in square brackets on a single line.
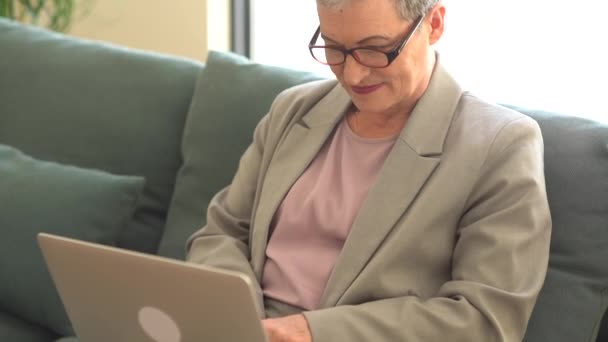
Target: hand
[(287, 329)]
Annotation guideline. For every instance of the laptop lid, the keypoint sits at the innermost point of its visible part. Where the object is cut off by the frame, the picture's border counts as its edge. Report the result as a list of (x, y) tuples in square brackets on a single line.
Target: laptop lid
[(112, 294)]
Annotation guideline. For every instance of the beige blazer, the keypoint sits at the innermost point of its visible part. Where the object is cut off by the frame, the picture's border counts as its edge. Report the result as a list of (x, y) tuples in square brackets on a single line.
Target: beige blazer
[(451, 243)]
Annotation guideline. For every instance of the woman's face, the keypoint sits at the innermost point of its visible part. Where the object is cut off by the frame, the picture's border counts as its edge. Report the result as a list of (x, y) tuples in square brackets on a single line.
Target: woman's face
[(377, 24)]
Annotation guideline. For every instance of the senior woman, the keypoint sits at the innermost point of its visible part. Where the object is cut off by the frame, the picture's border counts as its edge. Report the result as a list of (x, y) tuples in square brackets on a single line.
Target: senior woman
[(389, 205)]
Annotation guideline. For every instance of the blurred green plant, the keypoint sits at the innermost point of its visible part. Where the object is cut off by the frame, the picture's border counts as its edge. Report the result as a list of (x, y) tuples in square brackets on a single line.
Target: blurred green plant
[(56, 15)]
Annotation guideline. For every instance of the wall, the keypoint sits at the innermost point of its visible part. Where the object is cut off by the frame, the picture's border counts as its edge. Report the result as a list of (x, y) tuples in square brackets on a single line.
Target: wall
[(187, 28)]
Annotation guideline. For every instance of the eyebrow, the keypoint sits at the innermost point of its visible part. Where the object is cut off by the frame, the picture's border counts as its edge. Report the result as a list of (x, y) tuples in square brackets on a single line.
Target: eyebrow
[(360, 42)]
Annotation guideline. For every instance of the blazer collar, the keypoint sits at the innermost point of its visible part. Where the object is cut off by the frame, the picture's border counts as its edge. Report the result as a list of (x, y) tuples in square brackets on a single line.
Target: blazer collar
[(329, 110), (428, 125)]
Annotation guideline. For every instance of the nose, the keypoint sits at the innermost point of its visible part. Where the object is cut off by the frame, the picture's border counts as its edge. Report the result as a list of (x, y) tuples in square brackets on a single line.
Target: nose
[(353, 72)]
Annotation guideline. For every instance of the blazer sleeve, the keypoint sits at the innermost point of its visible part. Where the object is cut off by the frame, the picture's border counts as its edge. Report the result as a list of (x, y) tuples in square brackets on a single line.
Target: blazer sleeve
[(499, 260), (224, 241)]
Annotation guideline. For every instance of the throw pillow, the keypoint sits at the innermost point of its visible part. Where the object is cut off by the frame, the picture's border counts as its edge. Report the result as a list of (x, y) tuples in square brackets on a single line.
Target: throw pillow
[(232, 94), (40, 196), (62, 97)]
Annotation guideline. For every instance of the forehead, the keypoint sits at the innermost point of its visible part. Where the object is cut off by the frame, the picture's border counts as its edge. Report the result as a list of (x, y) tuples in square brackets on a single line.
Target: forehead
[(358, 19)]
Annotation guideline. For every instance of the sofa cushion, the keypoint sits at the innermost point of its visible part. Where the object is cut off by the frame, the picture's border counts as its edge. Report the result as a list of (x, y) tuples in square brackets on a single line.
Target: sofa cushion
[(232, 95), (39, 196), (100, 106), (575, 293), (603, 331), (13, 329)]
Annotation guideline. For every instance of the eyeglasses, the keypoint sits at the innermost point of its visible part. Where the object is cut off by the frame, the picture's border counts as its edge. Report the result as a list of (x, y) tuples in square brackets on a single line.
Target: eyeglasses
[(373, 58)]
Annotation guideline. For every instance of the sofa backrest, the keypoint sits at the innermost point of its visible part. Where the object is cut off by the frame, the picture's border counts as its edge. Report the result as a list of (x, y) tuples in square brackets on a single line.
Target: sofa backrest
[(575, 294), (99, 106)]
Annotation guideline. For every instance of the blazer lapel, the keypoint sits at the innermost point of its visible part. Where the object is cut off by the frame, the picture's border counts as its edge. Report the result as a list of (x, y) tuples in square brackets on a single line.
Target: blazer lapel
[(294, 154), (411, 162)]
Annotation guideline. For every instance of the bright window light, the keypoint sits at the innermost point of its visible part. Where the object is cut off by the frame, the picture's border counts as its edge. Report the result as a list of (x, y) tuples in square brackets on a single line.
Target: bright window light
[(541, 54)]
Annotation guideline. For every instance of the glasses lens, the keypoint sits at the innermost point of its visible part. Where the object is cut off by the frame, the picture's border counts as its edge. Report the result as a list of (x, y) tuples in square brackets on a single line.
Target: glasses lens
[(327, 55), (371, 58)]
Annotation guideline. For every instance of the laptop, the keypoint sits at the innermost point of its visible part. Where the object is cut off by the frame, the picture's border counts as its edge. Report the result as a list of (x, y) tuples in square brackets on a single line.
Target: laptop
[(112, 294)]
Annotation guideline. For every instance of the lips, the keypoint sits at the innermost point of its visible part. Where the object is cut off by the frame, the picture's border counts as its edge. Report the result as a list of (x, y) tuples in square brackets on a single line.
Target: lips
[(366, 89)]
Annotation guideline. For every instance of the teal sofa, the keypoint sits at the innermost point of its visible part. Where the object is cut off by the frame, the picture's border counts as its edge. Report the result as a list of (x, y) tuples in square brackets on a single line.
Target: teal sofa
[(125, 147)]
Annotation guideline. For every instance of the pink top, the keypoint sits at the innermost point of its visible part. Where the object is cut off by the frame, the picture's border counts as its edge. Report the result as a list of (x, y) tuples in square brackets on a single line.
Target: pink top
[(312, 223)]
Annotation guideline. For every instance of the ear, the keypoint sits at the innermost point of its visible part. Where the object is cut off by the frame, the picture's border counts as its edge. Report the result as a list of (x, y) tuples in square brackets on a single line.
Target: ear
[(436, 19)]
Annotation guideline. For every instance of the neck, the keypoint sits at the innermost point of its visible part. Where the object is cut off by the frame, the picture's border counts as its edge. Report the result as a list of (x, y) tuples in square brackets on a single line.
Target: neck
[(376, 125)]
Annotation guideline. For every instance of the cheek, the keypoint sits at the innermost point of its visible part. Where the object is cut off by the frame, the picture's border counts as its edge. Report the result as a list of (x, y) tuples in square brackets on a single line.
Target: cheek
[(411, 69), (400, 79), (336, 70)]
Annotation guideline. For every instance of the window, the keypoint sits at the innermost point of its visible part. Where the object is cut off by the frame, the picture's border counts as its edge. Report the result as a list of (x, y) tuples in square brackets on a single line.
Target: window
[(541, 54)]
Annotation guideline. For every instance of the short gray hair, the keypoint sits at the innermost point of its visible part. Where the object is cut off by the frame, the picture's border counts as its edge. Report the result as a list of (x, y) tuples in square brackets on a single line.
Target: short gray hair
[(407, 9)]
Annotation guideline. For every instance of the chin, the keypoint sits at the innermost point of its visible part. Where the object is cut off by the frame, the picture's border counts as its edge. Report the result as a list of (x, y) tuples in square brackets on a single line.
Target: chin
[(371, 105)]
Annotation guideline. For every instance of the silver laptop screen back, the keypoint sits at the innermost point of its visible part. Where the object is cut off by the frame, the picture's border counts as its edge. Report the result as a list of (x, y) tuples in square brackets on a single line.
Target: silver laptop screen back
[(112, 294)]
